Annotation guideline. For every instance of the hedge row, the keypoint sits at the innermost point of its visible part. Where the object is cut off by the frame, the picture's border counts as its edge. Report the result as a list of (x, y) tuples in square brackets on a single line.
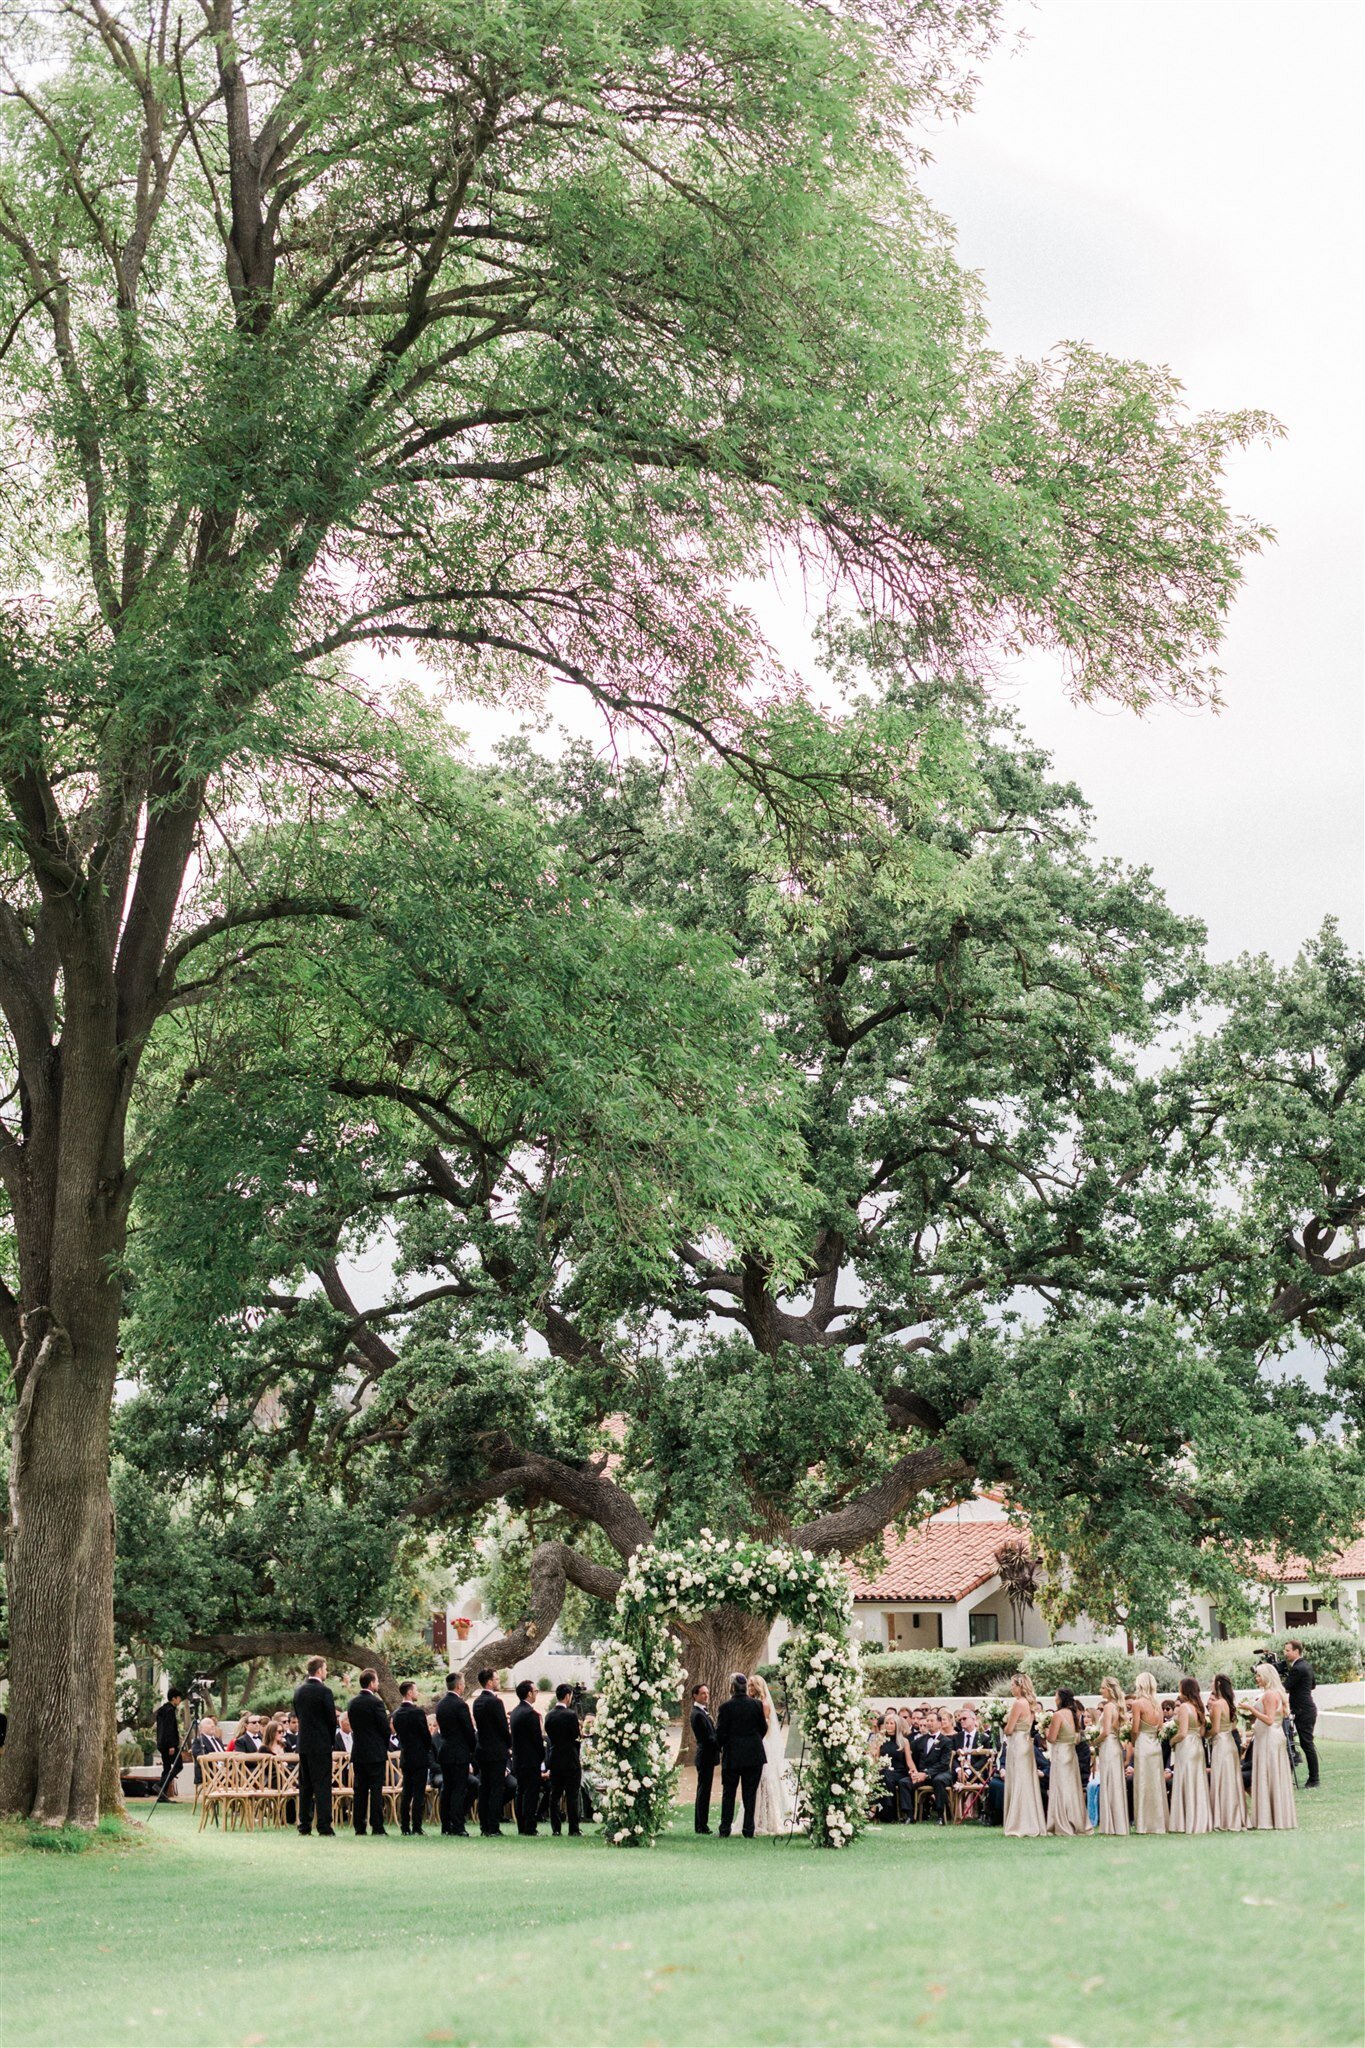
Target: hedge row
[(905, 1674), (1335, 1656)]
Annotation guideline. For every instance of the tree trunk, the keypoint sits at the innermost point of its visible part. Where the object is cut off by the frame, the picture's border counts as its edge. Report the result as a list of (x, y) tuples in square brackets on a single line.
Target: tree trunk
[(60, 1760), (714, 1647)]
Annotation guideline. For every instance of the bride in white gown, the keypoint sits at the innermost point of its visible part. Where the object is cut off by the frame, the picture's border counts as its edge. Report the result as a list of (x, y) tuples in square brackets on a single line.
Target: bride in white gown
[(772, 1811)]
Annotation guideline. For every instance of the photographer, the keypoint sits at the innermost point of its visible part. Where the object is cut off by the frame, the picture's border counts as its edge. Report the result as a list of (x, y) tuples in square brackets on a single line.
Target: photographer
[(1299, 1681), (168, 1742)]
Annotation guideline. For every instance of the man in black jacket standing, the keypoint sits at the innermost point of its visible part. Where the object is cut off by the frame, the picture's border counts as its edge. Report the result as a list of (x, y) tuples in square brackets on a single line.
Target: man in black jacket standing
[(455, 1725), (495, 1742), (740, 1728), (369, 1721), (168, 1742), (528, 1757), (1298, 1683), (563, 1739), (414, 1749), (316, 1708), (707, 1756)]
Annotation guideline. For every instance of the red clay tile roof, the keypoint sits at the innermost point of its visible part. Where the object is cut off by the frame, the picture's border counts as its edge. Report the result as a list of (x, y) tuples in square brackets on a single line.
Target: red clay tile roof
[(1349, 1564), (937, 1561)]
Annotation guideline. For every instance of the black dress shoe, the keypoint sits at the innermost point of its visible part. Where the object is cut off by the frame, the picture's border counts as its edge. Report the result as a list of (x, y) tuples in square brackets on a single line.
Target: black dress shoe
[(701, 1831)]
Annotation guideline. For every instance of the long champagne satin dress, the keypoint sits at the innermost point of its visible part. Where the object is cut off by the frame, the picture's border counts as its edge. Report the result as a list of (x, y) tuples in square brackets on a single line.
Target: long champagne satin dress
[(1272, 1783), (1113, 1788), (1227, 1799), (1191, 1813), (1023, 1794), (1149, 1785), (1066, 1814)]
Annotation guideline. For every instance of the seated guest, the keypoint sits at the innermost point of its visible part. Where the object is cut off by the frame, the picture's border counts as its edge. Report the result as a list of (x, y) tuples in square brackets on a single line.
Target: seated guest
[(291, 1734), (932, 1760), (894, 1757), (246, 1741), (272, 1738), (342, 1739), (969, 1734), (995, 1790), (208, 1742)]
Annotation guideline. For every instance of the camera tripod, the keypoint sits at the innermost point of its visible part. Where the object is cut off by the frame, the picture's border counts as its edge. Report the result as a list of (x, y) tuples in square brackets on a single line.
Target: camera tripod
[(196, 1694)]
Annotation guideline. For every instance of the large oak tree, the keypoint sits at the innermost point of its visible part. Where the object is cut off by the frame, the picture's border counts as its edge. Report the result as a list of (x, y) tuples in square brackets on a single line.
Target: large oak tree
[(1075, 1206), (513, 335)]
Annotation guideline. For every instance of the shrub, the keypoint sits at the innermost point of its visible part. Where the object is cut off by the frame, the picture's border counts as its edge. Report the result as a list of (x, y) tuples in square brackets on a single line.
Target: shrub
[(910, 1674), (983, 1664), (1336, 1656), (274, 1700), (1080, 1666), (1164, 1670), (1234, 1657)]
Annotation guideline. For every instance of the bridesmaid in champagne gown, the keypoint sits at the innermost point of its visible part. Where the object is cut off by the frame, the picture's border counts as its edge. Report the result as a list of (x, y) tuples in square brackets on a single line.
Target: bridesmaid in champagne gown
[(1023, 1797), (1113, 1784), (1066, 1814), (1272, 1785), (1227, 1800), (1190, 1810), (1149, 1778)]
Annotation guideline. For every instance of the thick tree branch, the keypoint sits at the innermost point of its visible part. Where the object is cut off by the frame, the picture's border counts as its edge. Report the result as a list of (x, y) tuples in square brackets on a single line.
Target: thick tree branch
[(554, 1567)]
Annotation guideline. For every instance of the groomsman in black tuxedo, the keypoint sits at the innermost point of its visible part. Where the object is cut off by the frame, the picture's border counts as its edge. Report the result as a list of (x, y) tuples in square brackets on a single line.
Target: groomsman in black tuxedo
[(316, 1709), (563, 1737), (495, 1743), (370, 1732), (459, 1741), (740, 1729), (707, 1756), (528, 1757), (1299, 1682), (414, 1747)]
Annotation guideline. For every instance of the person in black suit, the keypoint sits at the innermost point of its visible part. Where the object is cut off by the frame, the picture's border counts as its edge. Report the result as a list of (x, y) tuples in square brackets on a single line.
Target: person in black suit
[(414, 1748), (291, 1736), (563, 1737), (528, 1757), (740, 1728), (168, 1742), (707, 1756), (208, 1742), (370, 1732), (495, 1743), (316, 1708), (1299, 1681), (935, 1762), (459, 1741)]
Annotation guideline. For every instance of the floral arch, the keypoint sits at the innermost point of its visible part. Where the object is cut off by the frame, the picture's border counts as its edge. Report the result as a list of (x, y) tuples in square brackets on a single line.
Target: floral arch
[(641, 1679)]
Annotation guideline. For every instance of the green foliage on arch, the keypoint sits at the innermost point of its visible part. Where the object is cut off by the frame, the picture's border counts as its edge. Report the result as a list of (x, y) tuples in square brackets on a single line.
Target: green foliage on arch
[(640, 1679)]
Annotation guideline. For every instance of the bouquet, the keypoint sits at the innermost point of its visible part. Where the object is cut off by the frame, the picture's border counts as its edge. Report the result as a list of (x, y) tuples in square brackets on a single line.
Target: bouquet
[(994, 1713)]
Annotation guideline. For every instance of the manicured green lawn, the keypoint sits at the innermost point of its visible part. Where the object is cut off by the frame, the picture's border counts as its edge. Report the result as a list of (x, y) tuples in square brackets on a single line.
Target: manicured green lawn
[(917, 1934)]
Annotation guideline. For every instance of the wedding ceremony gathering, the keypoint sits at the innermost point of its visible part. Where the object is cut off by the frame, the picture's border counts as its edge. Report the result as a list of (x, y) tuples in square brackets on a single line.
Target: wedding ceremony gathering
[(682, 1023)]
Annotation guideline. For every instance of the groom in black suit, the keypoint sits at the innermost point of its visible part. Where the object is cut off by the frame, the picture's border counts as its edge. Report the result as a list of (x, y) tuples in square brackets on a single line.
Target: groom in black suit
[(708, 1755), (740, 1728)]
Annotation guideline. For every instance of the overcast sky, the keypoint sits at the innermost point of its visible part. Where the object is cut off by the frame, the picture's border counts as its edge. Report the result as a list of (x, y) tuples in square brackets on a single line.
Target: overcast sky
[(1179, 180)]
